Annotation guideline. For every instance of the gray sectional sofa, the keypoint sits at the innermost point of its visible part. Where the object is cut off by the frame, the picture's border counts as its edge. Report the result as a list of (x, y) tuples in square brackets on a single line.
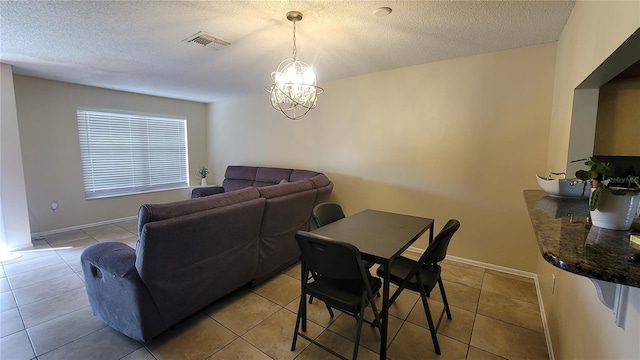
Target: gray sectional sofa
[(193, 252)]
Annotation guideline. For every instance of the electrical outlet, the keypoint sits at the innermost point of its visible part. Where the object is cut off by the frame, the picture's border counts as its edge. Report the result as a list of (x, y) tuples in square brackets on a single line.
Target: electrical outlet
[(553, 283), (54, 206)]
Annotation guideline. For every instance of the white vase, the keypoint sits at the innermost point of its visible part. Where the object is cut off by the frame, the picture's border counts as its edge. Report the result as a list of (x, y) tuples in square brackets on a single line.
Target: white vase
[(204, 182), (616, 212)]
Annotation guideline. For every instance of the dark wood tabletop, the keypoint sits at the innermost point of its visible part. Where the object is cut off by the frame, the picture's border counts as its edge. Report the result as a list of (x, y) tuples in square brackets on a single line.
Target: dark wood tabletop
[(379, 234)]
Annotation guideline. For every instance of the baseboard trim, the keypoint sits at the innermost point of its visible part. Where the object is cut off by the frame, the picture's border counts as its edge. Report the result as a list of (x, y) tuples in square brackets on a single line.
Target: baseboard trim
[(512, 271), (40, 235), (484, 265), (543, 314)]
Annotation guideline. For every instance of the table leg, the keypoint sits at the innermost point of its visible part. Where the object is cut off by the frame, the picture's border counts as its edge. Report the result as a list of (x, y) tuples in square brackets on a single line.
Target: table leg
[(384, 316)]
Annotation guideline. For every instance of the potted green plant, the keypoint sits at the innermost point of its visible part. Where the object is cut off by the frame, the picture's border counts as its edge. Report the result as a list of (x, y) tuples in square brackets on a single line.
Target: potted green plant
[(203, 172), (611, 207)]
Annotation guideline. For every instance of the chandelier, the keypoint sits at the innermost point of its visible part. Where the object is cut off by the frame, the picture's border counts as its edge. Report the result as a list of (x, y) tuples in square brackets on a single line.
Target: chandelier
[(294, 90)]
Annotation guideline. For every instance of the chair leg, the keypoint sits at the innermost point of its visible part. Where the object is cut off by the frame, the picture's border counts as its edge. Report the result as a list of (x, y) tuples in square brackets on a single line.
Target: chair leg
[(329, 309), (444, 299), (304, 314), (359, 331), (295, 331), (327, 305), (311, 297), (432, 328), (376, 321)]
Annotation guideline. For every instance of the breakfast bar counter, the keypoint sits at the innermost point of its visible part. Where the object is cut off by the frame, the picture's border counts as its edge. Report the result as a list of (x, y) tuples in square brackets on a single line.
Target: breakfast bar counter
[(567, 241)]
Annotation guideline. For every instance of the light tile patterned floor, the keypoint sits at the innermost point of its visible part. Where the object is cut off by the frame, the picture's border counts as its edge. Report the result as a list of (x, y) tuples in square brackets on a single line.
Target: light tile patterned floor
[(45, 314)]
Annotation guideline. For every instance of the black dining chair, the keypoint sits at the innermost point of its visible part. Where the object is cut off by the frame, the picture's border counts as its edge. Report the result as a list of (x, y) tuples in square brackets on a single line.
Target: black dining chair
[(422, 276), (340, 280), (324, 214), (328, 212)]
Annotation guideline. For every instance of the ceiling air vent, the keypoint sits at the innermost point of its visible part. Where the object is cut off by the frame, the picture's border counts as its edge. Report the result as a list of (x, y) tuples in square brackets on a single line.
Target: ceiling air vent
[(204, 39)]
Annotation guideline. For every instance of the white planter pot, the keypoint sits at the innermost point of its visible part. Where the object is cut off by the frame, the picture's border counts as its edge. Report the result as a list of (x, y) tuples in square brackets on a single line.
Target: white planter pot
[(204, 182), (616, 212)]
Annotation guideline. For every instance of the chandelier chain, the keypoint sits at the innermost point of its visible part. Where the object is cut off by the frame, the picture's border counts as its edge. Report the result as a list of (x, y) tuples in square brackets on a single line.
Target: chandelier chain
[(294, 40)]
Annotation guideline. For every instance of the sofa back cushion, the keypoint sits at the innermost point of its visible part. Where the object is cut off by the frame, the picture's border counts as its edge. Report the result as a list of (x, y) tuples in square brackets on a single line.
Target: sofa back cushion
[(324, 187), (266, 176), (319, 181), (239, 177), (239, 172), (288, 210), (297, 175), (189, 261), (156, 212), (235, 184), (273, 191)]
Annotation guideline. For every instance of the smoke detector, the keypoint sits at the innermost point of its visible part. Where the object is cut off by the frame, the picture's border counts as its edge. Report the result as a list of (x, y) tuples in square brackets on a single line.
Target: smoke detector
[(207, 40)]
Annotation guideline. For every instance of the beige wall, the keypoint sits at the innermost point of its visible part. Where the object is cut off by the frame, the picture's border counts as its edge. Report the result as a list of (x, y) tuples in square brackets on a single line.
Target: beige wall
[(51, 157), (618, 122), (454, 139), (580, 326)]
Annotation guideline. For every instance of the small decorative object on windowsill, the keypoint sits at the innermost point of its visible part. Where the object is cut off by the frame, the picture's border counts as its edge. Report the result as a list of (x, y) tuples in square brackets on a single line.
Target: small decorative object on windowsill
[(203, 172), (612, 207)]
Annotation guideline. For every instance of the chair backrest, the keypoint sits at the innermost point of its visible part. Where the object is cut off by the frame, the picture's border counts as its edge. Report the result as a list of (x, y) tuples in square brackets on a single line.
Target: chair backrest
[(326, 213), (330, 258), (437, 250)]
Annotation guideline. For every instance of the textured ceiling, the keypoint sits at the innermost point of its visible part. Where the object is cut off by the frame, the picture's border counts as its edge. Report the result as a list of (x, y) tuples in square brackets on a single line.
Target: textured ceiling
[(137, 46)]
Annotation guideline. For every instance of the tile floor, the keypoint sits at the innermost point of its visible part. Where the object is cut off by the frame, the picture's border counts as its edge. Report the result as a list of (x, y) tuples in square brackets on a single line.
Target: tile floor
[(45, 315)]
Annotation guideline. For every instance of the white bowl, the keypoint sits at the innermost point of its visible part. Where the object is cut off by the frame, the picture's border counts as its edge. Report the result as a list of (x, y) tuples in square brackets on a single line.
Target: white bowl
[(562, 188)]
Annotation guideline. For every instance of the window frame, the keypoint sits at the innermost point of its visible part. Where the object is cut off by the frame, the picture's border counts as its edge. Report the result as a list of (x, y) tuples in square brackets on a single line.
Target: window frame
[(140, 159)]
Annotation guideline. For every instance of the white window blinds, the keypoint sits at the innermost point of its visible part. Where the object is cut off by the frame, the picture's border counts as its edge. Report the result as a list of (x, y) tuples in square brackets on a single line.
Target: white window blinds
[(130, 153)]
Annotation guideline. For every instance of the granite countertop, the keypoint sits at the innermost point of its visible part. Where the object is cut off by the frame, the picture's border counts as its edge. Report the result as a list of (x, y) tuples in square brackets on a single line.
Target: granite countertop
[(566, 241)]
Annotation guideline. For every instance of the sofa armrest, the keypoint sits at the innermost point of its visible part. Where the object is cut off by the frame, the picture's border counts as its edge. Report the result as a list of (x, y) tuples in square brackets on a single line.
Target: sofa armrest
[(112, 258), (116, 293), (206, 191)]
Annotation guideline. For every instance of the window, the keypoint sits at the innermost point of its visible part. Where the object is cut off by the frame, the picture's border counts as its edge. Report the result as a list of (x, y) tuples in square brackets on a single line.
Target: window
[(130, 153)]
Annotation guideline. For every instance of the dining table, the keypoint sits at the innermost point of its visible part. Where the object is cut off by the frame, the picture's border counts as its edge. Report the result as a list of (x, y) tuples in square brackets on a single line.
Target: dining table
[(381, 237)]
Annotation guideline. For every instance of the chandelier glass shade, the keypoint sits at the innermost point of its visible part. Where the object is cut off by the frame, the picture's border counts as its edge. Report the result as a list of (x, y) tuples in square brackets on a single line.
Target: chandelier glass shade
[(294, 90)]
